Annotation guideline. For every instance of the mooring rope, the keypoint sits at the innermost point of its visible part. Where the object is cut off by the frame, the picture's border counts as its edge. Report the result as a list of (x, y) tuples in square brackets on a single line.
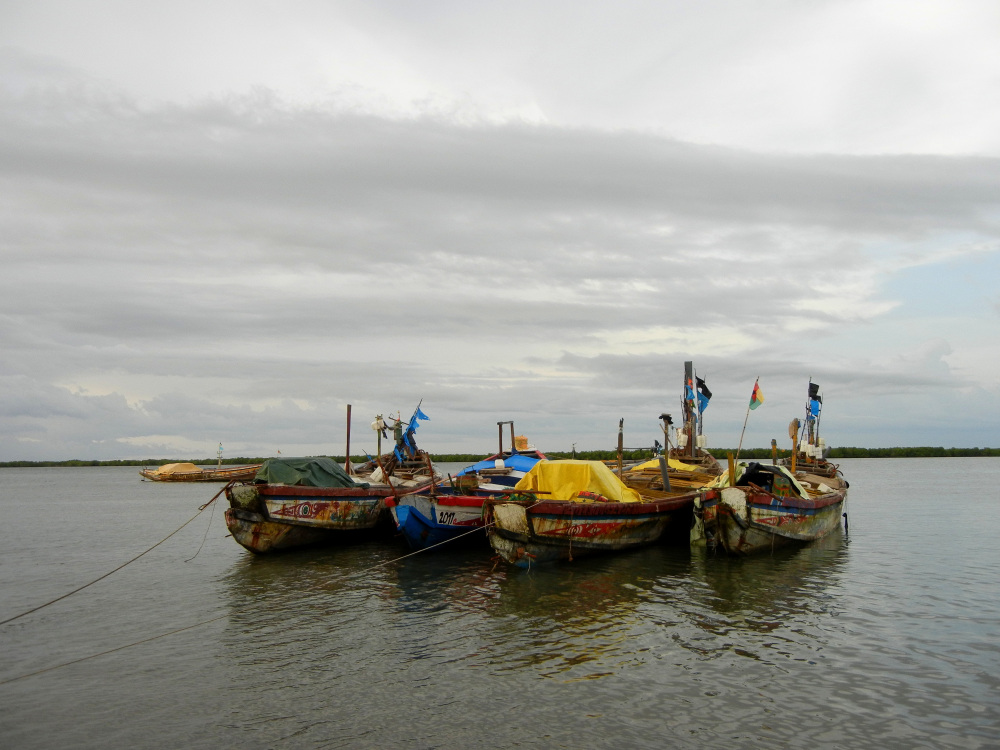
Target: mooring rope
[(110, 650), (111, 572), (217, 617), (208, 526)]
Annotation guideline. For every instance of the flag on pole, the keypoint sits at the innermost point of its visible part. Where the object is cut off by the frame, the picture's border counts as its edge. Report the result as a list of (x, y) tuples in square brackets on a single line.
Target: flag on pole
[(704, 395), (756, 398)]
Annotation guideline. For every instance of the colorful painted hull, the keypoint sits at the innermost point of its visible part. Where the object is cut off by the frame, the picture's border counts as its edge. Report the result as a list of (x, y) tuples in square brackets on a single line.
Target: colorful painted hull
[(426, 521), (527, 534), (456, 507), (254, 532), (268, 518), (746, 520)]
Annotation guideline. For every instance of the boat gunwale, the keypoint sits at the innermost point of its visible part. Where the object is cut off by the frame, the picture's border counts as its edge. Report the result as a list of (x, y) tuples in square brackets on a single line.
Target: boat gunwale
[(324, 493), (596, 508), (762, 499)]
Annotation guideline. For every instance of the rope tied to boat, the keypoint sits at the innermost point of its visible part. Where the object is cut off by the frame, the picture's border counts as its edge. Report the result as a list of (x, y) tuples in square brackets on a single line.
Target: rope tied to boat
[(124, 564), (211, 619)]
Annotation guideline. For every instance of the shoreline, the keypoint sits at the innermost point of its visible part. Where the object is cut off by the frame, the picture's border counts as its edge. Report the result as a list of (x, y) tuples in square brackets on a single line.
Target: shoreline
[(605, 455)]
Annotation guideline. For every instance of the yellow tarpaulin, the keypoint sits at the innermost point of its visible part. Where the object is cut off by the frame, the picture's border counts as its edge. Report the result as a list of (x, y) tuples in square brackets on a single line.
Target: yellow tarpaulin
[(673, 463), (565, 480), (177, 469)]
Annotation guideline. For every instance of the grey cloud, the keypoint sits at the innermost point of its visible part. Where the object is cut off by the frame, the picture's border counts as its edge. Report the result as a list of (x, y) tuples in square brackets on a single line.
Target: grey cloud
[(274, 255)]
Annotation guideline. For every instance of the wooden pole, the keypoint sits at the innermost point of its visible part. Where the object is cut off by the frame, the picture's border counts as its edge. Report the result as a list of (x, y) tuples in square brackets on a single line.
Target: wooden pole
[(621, 443), (347, 457), (513, 449), (665, 474)]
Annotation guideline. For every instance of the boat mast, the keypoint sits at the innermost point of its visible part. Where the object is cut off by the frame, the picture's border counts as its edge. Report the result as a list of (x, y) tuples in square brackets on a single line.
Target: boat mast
[(690, 411), (347, 456)]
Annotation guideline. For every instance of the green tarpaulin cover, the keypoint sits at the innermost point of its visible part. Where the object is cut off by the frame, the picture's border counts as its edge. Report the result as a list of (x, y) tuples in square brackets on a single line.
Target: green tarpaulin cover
[(307, 472)]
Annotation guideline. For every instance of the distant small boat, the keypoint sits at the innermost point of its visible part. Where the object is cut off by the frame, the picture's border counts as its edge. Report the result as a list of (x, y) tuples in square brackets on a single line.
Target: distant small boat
[(767, 507), (567, 509), (451, 509), (188, 472)]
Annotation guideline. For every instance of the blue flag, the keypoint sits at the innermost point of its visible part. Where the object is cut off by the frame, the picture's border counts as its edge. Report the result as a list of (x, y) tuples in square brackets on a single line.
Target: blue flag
[(420, 414)]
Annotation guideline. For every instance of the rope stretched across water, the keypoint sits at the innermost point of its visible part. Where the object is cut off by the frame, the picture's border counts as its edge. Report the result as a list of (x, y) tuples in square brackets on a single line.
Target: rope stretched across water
[(111, 572), (211, 619)]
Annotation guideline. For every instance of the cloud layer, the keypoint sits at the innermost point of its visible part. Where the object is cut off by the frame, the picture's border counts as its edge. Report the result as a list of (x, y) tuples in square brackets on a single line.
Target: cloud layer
[(239, 267)]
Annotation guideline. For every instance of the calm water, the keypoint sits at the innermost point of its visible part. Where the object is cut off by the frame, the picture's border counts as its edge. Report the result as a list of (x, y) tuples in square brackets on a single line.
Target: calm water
[(888, 636)]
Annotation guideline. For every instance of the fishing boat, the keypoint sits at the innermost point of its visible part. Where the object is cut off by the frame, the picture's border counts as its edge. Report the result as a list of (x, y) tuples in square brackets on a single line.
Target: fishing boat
[(767, 506), (452, 510), (565, 509), (297, 502), (188, 472)]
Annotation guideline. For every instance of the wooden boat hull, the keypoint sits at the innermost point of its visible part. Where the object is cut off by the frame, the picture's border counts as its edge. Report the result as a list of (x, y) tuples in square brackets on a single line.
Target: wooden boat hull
[(744, 520), (268, 518), (432, 522), (526, 534), (426, 521), (255, 533), (456, 507)]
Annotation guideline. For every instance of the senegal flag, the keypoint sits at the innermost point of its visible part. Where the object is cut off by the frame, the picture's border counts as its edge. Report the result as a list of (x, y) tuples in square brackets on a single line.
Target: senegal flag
[(756, 398)]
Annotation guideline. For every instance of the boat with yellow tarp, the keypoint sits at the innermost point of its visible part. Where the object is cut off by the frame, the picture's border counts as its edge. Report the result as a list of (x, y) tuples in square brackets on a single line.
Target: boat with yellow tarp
[(564, 509), (188, 472)]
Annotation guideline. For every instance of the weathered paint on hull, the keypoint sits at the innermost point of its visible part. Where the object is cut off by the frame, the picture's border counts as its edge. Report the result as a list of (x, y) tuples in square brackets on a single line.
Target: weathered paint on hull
[(342, 514), (554, 530), (744, 522), (426, 521), (257, 534), (422, 533), (269, 518)]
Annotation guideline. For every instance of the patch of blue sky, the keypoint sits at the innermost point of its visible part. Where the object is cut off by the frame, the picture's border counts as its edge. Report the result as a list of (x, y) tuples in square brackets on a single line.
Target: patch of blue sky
[(959, 285)]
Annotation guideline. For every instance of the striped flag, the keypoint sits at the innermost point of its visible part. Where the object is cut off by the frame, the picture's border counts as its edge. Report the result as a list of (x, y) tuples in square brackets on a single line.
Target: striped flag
[(756, 398)]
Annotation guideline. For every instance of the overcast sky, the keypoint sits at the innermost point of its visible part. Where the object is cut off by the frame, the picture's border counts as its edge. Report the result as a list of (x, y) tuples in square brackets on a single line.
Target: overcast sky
[(222, 222)]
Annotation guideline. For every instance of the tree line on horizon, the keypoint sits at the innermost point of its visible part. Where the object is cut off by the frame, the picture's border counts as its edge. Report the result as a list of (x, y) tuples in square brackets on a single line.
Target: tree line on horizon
[(600, 455)]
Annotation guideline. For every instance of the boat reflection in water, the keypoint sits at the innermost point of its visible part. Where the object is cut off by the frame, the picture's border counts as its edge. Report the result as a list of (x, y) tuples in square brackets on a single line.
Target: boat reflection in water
[(758, 606), (363, 610), (568, 623)]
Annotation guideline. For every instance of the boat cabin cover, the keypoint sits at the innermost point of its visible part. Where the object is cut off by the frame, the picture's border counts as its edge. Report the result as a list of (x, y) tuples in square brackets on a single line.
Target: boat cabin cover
[(306, 472), (582, 481)]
